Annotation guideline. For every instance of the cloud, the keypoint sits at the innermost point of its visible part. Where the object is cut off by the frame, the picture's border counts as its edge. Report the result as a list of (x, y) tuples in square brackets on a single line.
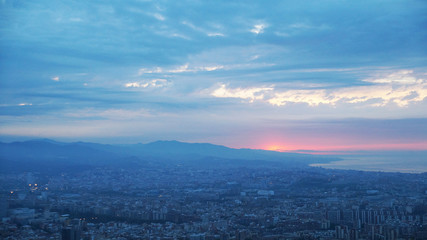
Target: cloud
[(159, 17), (400, 77), (255, 57), (144, 71), (112, 114), (258, 28), (216, 34), (401, 88), (316, 71), (155, 83), (178, 35), (25, 104), (171, 33), (310, 97), (181, 69), (202, 30), (192, 26), (212, 68), (255, 93)]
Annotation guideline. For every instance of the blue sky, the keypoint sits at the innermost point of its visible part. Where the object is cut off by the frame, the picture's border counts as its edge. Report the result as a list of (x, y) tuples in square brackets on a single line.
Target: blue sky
[(287, 75)]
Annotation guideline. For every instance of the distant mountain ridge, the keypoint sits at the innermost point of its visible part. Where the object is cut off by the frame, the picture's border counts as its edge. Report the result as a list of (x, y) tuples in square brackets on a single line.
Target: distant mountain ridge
[(34, 154)]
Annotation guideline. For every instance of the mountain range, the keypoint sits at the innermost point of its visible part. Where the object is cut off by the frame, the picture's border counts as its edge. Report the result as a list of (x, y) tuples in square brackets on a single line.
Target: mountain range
[(48, 155)]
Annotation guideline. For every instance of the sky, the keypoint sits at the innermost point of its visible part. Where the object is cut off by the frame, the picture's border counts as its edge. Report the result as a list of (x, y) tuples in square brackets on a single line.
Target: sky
[(329, 75)]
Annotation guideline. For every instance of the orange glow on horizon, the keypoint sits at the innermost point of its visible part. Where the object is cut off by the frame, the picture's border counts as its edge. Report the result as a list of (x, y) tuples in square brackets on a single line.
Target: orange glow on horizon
[(318, 149), (275, 148)]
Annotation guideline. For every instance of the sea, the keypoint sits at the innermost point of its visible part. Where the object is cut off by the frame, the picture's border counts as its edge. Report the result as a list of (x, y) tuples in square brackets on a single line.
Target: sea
[(389, 161)]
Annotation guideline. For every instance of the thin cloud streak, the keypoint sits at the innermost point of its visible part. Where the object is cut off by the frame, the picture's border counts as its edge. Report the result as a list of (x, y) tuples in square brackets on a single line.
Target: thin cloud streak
[(180, 69), (155, 83), (244, 93)]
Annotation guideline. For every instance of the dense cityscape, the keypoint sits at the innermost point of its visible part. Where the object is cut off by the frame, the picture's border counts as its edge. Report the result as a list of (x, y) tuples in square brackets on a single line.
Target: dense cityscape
[(187, 202)]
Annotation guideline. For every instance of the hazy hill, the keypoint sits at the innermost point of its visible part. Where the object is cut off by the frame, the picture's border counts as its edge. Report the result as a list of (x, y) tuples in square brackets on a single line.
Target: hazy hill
[(46, 154)]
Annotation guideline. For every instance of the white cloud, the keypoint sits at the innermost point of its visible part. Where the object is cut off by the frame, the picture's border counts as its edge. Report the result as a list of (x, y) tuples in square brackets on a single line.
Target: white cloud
[(310, 97), (142, 71), (255, 57), (185, 68), (173, 35), (159, 16), (401, 88), (165, 31), (400, 77), (258, 28), (254, 93), (215, 34), (56, 78), (136, 84), (189, 24), (181, 69), (177, 35), (25, 104), (212, 68), (155, 83), (202, 30)]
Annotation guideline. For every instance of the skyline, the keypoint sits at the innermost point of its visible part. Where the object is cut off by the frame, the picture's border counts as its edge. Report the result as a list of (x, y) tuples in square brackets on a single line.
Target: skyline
[(330, 76)]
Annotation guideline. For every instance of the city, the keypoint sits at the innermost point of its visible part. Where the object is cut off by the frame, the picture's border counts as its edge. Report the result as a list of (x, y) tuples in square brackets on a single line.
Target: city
[(188, 202)]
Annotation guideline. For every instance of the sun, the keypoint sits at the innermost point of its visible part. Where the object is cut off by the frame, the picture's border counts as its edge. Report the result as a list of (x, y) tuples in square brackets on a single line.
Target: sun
[(274, 148)]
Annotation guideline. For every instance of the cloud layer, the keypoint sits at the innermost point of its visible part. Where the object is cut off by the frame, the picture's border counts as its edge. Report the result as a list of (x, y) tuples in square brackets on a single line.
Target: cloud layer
[(401, 88), (210, 70)]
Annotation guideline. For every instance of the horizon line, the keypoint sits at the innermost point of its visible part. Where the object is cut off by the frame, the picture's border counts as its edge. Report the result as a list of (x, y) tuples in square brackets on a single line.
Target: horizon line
[(339, 150)]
